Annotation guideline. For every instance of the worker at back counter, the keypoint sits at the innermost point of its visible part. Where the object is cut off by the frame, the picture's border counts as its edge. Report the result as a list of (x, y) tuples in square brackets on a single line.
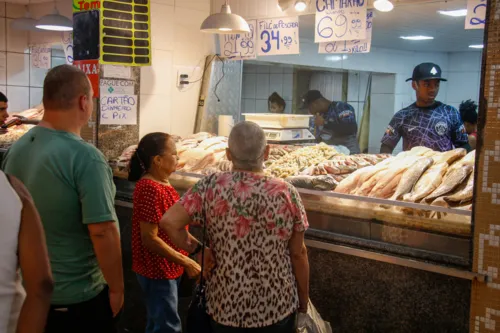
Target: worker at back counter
[(426, 122), (334, 123)]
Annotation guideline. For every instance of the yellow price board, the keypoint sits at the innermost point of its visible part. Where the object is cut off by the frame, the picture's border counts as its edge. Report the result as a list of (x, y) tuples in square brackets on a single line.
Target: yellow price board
[(125, 33)]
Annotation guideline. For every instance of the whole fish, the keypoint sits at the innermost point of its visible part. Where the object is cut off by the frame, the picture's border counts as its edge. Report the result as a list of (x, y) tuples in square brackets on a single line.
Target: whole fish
[(411, 176), (350, 183), (420, 150), (469, 159), (429, 181), (449, 156), (450, 182), (464, 194), (387, 184)]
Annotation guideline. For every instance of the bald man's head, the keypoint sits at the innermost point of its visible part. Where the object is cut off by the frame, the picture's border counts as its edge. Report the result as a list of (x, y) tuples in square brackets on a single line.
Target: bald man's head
[(62, 87), (247, 146)]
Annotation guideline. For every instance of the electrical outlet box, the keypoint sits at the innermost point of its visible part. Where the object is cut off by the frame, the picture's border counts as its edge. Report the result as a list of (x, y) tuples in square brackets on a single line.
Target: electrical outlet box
[(187, 75)]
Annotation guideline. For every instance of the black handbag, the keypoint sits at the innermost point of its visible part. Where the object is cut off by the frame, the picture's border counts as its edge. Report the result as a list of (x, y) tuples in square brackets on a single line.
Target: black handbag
[(198, 320)]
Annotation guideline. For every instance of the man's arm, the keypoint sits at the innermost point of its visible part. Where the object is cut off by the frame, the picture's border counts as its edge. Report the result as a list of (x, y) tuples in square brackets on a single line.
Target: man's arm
[(107, 247), (386, 149), (35, 266)]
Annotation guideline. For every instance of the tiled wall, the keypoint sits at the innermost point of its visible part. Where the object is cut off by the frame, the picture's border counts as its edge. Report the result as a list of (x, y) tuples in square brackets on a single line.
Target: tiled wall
[(260, 81), (18, 79), (177, 44)]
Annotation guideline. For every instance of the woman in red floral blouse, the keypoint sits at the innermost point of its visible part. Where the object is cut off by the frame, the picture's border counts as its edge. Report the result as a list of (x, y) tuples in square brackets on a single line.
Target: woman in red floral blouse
[(157, 262), (255, 226)]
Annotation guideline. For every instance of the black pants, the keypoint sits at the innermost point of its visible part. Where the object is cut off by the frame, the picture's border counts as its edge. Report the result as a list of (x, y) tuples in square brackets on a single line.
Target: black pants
[(93, 316), (287, 325)]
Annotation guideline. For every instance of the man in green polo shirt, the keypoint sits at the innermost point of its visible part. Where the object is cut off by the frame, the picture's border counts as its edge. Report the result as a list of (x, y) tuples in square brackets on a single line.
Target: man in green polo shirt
[(72, 187)]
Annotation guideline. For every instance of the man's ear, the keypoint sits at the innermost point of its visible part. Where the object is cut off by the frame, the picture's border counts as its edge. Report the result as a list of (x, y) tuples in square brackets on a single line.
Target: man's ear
[(414, 85)]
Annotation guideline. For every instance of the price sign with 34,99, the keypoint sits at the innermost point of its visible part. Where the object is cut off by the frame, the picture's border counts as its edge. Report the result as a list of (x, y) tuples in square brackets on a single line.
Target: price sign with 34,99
[(278, 36)]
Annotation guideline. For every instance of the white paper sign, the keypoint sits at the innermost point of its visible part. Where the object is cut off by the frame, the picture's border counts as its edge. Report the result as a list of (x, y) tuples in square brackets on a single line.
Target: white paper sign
[(67, 42), (476, 14), (240, 46), (41, 56), (117, 87), (278, 36), (340, 20), (351, 46), (117, 72), (118, 110)]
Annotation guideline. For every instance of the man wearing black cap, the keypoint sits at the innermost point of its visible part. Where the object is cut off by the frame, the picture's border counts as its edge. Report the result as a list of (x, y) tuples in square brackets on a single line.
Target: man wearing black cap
[(426, 122), (334, 123)]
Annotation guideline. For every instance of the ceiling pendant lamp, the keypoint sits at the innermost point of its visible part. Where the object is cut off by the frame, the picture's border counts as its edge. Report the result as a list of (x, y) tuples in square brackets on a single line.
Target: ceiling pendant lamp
[(55, 22), (383, 5), (24, 23), (225, 22)]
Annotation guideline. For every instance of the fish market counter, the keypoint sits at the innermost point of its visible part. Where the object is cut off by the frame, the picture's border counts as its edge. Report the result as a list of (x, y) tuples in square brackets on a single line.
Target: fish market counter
[(377, 266)]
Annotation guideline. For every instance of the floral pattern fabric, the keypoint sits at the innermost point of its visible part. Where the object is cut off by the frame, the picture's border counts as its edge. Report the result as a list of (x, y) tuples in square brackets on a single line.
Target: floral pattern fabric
[(151, 201), (250, 219)]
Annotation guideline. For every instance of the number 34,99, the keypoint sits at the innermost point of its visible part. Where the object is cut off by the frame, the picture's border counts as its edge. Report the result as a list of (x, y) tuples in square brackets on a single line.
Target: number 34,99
[(270, 37)]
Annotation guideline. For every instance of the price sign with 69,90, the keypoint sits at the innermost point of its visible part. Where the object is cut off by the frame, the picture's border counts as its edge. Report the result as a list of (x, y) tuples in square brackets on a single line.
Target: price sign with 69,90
[(278, 36)]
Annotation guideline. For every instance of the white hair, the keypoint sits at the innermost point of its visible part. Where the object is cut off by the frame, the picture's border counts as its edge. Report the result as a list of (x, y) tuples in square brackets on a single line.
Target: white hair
[(247, 144)]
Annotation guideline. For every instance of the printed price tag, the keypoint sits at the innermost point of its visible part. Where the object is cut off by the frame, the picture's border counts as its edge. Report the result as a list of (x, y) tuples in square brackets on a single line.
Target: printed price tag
[(340, 20), (351, 46), (240, 46), (476, 14), (278, 36)]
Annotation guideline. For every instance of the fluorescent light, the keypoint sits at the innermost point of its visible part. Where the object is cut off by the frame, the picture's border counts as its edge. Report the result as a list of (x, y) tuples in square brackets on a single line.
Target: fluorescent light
[(454, 13), (417, 37), (55, 22), (300, 5), (383, 5), (225, 22), (478, 46)]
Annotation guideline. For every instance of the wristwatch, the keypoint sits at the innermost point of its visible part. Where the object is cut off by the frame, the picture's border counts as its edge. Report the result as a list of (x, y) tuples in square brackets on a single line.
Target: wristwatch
[(198, 249)]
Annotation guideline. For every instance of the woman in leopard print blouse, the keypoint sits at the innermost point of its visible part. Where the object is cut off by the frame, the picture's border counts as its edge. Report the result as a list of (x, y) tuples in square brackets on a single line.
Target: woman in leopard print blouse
[(255, 226)]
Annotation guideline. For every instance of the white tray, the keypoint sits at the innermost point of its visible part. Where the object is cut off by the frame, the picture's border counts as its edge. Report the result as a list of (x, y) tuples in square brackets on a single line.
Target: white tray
[(272, 120)]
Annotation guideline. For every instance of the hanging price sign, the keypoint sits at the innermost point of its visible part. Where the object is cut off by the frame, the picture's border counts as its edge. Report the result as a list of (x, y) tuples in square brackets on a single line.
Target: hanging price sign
[(278, 36), (340, 20), (240, 46)]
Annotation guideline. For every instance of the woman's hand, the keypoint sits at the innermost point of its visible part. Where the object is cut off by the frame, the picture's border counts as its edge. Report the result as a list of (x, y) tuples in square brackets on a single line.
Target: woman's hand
[(209, 262), (192, 268)]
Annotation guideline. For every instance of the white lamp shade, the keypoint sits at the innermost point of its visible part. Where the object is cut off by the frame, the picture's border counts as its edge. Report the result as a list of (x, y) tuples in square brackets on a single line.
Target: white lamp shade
[(225, 23), (55, 22), (383, 5)]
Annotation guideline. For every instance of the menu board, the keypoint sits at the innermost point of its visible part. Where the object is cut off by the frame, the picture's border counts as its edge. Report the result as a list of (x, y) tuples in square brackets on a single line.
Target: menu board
[(278, 36), (240, 46), (351, 46), (476, 14), (125, 33), (340, 20)]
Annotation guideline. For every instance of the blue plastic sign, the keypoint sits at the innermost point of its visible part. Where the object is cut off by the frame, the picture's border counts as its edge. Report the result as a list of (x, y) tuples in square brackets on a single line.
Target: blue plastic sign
[(118, 110), (351, 46), (240, 46), (340, 20), (476, 14), (278, 36)]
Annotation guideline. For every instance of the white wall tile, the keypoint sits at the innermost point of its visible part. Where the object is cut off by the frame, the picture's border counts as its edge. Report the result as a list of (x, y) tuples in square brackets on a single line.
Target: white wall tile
[(261, 106), (263, 69), (465, 61), (288, 70), (3, 34), (56, 61), (288, 107), (3, 10), (18, 73), (164, 2), (36, 96), (276, 84), (287, 87), (155, 107), (15, 10), (276, 70), (249, 68), (17, 41), (248, 105), (3, 68), (195, 5), (162, 20), (381, 108), (262, 87), (249, 85), (383, 84), (157, 79), (37, 75), (462, 86), (18, 98)]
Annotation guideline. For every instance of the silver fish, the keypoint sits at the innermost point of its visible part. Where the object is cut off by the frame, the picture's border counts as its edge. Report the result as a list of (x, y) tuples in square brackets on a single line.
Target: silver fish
[(463, 194), (411, 176), (428, 182), (450, 182)]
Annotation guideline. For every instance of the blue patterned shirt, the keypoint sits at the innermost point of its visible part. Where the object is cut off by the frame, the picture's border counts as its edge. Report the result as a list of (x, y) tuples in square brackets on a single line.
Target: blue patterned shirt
[(438, 127)]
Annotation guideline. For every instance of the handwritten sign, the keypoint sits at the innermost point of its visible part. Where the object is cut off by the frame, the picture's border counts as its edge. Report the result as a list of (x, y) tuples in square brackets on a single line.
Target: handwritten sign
[(41, 56), (476, 14), (118, 110), (117, 72), (240, 46), (278, 36), (119, 87), (351, 46), (340, 20), (67, 43)]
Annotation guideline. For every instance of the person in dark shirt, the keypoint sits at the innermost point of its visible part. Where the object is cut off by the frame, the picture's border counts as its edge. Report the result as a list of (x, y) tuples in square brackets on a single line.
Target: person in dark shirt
[(3, 108), (334, 123), (276, 103), (468, 113), (426, 122)]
